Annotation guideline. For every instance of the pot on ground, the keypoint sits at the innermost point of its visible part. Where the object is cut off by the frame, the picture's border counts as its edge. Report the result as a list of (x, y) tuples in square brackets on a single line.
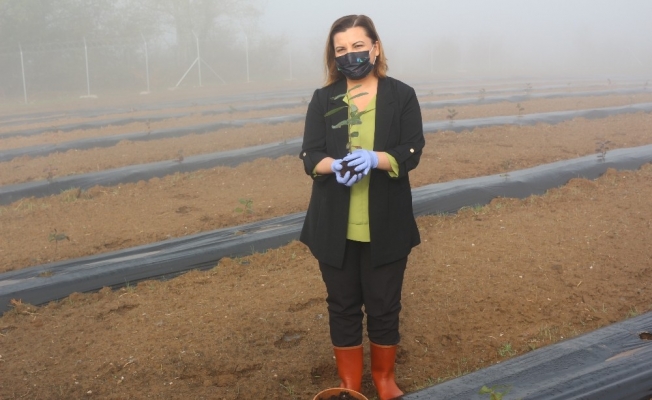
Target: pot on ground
[(339, 394)]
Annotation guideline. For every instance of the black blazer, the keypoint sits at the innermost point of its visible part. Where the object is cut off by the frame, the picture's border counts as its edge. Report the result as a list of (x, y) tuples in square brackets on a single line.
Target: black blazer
[(399, 132)]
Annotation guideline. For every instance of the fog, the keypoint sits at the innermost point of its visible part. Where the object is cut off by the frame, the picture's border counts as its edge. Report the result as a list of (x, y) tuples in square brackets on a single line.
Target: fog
[(97, 46), (487, 38)]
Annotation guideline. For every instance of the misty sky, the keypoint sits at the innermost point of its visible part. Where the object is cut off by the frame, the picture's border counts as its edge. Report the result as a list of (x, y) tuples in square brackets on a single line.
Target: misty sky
[(527, 32)]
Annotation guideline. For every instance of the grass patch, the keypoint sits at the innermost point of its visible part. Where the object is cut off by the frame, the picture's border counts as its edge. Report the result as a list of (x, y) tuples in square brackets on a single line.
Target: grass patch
[(506, 350)]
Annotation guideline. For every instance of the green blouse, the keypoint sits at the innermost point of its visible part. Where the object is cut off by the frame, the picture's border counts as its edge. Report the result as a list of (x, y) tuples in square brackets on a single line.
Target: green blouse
[(358, 229)]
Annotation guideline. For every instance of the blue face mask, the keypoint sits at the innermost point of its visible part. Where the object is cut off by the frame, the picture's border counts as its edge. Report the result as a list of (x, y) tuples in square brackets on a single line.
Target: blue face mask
[(355, 65)]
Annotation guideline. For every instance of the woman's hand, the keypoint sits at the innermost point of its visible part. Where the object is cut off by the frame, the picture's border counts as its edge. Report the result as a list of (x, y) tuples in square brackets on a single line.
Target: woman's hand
[(347, 179), (362, 160)]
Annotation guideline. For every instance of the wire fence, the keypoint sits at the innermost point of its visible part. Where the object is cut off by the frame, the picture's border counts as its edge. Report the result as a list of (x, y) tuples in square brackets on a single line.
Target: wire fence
[(91, 67)]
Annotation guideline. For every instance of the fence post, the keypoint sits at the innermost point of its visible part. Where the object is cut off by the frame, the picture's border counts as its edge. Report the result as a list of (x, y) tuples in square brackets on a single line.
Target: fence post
[(247, 55), (22, 67), (88, 79), (198, 58), (146, 62), (291, 77)]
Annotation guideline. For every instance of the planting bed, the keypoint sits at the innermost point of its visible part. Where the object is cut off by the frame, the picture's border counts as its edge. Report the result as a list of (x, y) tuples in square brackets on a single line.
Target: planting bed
[(485, 284)]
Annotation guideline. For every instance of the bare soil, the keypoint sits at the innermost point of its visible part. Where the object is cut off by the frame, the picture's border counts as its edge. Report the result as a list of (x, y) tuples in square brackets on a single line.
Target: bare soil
[(486, 283)]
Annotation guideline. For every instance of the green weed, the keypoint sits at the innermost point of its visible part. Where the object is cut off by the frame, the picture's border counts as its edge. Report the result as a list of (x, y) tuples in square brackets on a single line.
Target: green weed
[(633, 312), (247, 207), (494, 393), (288, 388), (506, 350)]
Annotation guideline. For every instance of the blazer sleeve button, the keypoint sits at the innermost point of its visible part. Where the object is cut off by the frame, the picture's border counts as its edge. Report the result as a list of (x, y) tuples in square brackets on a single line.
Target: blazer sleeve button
[(411, 150)]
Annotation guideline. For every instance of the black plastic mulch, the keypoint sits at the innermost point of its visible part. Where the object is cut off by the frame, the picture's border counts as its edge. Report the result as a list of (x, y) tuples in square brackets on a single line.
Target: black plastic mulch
[(135, 173), (204, 250), (611, 363)]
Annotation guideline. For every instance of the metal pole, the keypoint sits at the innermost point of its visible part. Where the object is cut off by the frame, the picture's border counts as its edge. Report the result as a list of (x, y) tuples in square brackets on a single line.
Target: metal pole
[(198, 58), (88, 79), (188, 70), (146, 62), (247, 55), (22, 66)]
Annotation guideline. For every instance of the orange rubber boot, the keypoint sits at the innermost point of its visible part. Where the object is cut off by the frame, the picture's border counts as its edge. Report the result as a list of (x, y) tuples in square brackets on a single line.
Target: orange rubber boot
[(349, 366), (382, 371)]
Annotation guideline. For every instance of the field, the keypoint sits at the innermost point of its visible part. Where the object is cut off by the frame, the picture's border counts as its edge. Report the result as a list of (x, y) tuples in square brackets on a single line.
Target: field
[(487, 283)]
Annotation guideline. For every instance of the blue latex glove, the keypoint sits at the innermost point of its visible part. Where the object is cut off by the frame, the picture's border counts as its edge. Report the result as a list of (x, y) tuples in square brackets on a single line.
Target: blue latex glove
[(362, 160), (345, 179)]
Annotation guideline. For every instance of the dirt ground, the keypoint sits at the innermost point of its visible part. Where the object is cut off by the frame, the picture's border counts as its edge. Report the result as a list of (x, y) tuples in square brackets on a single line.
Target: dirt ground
[(486, 284)]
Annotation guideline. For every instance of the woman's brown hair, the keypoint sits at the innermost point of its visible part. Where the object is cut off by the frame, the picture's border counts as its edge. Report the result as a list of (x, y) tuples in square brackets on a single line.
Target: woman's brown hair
[(341, 25)]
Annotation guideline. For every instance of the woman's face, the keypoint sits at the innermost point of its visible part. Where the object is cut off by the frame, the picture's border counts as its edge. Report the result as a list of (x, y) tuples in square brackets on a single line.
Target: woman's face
[(353, 40)]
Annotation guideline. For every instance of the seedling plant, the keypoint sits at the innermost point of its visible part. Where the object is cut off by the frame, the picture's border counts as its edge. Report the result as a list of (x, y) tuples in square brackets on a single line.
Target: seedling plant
[(602, 148), (50, 172), (520, 109), (56, 237), (451, 114), (354, 119), (247, 207)]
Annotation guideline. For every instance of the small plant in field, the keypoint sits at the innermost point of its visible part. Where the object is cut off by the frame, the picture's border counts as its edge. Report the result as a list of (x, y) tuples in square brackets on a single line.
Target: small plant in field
[(50, 172), (495, 392), (45, 274), (288, 388), (56, 237), (608, 81), (602, 148), (520, 109), (506, 350), (247, 207), (149, 130), (482, 94), (451, 114), (632, 312), (528, 88), (71, 195), (180, 156)]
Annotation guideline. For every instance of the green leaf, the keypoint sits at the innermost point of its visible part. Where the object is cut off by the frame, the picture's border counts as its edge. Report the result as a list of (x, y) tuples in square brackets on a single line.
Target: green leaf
[(358, 95), (354, 88), (354, 109), (342, 123), (485, 390), (339, 96), (354, 121), (334, 110), (354, 134)]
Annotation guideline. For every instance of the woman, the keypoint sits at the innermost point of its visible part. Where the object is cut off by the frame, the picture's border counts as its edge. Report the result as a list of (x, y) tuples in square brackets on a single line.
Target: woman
[(360, 225)]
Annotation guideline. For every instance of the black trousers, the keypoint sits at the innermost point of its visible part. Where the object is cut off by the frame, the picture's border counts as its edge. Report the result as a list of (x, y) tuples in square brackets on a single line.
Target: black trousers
[(357, 284)]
